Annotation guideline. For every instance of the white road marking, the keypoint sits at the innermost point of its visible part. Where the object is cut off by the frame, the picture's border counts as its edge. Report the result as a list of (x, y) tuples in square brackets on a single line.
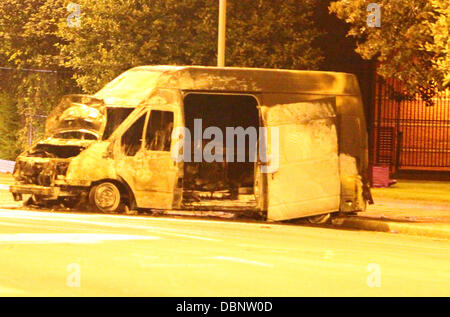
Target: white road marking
[(235, 224), (154, 219), (189, 236), (244, 261), (13, 224), (66, 218), (5, 291), (4, 187), (77, 238), (8, 213)]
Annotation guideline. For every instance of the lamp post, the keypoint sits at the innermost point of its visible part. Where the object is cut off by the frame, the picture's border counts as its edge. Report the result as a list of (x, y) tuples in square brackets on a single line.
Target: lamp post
[(222, 32)]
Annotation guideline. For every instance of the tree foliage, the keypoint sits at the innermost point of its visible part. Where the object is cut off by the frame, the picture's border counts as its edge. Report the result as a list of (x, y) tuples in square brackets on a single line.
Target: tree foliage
[(9, 125), (28, 41), (116, 35), (440, 46), (412, 43)]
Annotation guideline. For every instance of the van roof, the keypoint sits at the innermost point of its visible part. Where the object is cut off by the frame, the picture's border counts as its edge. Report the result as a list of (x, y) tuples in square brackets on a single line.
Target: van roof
[(234, 79)]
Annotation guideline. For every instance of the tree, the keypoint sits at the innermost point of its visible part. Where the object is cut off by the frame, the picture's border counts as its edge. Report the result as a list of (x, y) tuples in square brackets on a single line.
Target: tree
[(9, 125), (116, 35), (411, 44), (28, 41), (440, 45)]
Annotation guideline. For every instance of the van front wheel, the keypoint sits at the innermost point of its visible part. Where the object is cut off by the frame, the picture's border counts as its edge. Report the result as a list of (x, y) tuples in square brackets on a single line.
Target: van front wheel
[(105, 197)]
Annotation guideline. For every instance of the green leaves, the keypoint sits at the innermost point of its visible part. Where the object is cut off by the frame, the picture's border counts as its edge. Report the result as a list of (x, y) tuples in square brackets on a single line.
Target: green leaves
[(28, 40), (115, 35), (9, 125), (439, 46), (411, 44)]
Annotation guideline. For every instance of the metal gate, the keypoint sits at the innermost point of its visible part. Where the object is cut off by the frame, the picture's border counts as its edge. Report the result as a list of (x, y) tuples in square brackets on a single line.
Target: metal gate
[(408, 134)]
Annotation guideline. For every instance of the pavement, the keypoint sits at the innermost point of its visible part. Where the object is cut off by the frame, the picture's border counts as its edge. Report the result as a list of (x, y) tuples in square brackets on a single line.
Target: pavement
[(409, 210), (422, 218)]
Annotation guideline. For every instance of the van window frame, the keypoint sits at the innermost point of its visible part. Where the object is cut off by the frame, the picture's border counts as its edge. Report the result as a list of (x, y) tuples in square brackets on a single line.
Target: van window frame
[(147, 123), (146, 114)]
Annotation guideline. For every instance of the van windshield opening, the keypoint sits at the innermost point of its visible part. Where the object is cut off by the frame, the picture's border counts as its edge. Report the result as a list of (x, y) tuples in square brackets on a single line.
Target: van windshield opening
[(130, 88), (114, 117)]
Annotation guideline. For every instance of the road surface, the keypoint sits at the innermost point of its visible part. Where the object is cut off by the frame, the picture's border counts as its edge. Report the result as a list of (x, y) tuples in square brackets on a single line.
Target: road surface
[(76, 254)]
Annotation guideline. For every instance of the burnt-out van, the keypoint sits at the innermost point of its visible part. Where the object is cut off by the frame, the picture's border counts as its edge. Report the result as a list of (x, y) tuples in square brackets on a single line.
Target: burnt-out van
[(278, 143)]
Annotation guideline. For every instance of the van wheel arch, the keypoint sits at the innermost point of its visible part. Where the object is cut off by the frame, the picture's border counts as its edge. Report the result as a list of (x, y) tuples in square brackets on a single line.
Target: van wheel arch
[(131, 199)]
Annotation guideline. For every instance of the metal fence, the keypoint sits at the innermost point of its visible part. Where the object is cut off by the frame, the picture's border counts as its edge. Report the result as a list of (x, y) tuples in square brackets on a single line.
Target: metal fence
[(408, 134)]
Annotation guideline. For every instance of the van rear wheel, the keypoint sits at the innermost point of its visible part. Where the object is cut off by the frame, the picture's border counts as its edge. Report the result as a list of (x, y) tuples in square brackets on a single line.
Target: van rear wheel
[(105, 197), (319, 219)]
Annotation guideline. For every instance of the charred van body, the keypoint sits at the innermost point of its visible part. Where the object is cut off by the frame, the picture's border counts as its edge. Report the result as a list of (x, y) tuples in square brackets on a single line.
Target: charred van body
[(305, 144)]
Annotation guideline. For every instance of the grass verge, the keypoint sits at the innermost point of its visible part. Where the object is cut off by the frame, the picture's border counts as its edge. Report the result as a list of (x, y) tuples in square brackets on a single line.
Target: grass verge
[(428, 191)]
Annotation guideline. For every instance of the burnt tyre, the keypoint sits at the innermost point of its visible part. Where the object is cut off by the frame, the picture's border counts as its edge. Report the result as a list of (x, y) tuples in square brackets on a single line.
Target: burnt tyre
[(319, 219), (70, 202), (36, 201), (105, 197)]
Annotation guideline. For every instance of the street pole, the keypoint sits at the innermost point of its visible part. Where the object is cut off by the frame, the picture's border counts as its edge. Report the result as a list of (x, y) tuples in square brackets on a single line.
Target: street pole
[(30, 131), (222, 32)]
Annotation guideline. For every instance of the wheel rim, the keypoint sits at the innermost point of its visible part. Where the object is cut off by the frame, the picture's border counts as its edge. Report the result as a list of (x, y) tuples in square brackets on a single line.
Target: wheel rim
[(107, 197)]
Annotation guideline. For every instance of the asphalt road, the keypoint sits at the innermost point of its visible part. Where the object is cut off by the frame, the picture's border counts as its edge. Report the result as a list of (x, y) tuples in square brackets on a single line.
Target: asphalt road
[(76, 254)]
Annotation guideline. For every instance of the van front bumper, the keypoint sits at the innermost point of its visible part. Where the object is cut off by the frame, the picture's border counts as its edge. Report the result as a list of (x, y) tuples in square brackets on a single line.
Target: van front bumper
[(49, 193)]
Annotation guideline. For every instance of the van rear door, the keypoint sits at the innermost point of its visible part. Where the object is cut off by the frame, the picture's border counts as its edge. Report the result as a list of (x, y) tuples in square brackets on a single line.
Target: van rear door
[(303, 172)]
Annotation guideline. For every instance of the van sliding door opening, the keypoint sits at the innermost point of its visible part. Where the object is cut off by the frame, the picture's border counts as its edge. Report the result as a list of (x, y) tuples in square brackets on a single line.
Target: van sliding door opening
[(229, 181)]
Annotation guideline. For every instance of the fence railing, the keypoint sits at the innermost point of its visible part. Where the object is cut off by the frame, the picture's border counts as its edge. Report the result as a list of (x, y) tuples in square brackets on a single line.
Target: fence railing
[(410, 135)]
